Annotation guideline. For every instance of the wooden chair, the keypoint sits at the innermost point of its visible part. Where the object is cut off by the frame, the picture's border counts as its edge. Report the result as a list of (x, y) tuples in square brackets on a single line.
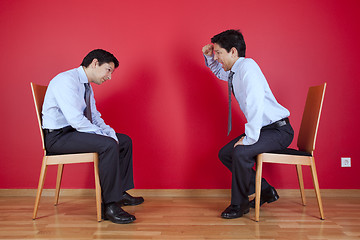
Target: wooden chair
[(38, 92), (305, 153)]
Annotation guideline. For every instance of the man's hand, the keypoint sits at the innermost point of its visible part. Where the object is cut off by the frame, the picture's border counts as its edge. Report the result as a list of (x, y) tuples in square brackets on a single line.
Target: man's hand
[(240, 142), (208, 50)]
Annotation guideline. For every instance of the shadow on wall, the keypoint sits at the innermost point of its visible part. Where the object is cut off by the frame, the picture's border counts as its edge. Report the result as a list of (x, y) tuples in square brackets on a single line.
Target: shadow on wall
[(177, 124), (177, 118)]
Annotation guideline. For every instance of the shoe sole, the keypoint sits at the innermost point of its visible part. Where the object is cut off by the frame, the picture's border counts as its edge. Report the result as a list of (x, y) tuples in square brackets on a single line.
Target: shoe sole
[(123, 222), (120, 222), (245, 212), (123, 204)]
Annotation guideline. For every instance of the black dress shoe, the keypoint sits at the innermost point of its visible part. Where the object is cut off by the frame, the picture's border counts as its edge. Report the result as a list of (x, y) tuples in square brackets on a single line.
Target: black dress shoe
[(268, 196), (235, 211), (129, 200), (116, 214)]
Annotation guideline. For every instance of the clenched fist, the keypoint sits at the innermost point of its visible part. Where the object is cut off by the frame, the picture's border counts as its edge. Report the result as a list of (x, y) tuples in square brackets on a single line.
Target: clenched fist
[(208, 50)]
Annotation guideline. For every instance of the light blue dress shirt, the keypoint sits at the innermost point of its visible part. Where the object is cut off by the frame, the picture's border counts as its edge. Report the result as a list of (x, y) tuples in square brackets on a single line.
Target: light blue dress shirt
[(64, 105), (253, 94)]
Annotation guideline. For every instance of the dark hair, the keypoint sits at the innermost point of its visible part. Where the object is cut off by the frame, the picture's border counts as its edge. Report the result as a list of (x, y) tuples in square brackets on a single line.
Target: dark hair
[(101, 55), (229, 39)]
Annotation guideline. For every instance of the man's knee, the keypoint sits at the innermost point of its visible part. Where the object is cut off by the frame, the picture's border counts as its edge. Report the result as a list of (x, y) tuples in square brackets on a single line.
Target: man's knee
[(109, 143), (243, 155), (223, 154), (124, 139)]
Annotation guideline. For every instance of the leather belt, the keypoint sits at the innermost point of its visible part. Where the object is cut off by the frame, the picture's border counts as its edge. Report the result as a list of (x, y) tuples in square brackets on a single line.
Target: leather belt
[(279, 123), (46, 131), (51, 130)]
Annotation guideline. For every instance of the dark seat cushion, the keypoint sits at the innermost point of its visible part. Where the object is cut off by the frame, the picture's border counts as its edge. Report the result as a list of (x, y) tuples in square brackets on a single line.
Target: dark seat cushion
[(291, 151)]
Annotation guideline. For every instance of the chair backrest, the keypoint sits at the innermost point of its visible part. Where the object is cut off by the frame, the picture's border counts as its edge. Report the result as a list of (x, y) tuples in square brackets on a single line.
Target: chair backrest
[(310, 119), (38, 92)]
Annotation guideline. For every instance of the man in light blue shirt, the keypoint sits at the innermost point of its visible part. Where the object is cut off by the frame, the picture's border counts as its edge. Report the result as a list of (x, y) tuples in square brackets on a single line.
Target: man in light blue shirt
[(72, 124), (267, 128)]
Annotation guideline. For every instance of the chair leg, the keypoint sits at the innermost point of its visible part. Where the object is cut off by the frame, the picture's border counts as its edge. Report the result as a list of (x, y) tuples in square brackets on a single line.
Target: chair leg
[(58, 183), (40, 186), (258, 186), (317, 189), (301, 183), (97, 188)]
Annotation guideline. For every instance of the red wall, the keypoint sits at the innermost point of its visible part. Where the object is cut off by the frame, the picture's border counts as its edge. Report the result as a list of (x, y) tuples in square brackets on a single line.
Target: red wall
[(164, 97)]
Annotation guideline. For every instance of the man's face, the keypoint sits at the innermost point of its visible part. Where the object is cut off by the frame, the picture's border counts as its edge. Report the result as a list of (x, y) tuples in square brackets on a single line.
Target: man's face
[(227, 59), (102, 73)]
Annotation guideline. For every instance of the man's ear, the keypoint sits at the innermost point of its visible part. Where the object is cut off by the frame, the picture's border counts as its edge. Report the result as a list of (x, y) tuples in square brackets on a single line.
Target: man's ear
[(94, 63), (234, 52)]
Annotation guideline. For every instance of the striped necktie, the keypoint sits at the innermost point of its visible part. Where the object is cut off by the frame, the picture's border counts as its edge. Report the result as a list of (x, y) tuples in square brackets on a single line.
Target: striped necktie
[(87, 111), (230, 89)]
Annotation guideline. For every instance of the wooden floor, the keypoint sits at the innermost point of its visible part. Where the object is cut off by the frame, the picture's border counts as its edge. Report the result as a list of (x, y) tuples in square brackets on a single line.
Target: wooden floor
[(180, 218)]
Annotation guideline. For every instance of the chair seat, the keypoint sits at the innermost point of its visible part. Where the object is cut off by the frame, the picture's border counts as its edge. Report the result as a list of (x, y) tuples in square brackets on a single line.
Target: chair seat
[(291, 151), (56, 154)]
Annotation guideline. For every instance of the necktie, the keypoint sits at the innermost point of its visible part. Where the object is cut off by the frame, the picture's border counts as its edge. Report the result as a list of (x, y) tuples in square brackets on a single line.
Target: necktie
[(231, 74), (87, 111)]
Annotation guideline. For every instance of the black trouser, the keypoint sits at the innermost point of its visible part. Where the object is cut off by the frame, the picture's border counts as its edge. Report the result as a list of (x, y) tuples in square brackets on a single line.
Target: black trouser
[(241, 159), (115, 160)]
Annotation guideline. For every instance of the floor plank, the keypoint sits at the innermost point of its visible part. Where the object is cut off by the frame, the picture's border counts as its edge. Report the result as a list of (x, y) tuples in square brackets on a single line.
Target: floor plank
[(180, 218)]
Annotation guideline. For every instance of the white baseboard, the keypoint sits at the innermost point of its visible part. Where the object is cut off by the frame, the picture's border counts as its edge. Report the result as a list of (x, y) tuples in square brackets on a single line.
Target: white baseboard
[(178, 192)]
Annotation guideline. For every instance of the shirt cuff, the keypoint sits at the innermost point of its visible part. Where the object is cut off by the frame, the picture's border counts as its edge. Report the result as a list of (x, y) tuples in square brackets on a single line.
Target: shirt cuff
[(246, 141), (208, 60), (113, 135)]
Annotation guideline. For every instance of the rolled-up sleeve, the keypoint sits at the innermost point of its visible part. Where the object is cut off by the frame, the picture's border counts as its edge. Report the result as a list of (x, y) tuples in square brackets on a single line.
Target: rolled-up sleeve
[(216, 68)]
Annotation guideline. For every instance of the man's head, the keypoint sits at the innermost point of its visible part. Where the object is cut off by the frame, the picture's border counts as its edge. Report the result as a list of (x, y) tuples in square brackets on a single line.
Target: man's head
[(231, 39), (228, 47), (99, 65)]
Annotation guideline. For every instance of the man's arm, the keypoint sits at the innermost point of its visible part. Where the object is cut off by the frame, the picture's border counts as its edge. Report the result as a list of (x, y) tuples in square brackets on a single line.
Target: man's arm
[(215, 66), (72, 104), (98, 121), (253, 83)]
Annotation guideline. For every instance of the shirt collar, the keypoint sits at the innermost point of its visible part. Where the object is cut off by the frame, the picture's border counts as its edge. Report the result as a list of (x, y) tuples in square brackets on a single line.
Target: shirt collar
[(236, 65), (82, 75)]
